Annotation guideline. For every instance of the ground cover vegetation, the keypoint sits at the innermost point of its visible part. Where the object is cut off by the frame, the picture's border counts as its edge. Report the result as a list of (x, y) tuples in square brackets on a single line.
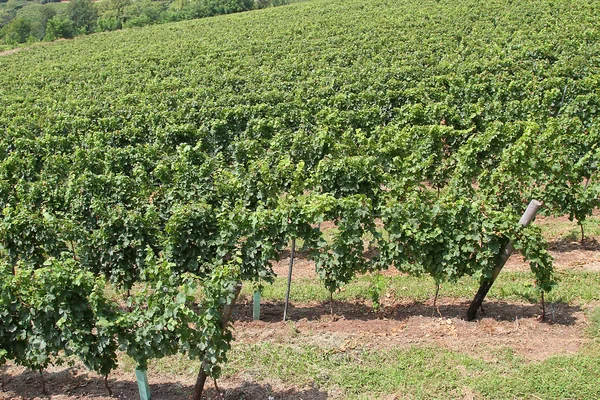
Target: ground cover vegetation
[(171, 163), (408, 349)]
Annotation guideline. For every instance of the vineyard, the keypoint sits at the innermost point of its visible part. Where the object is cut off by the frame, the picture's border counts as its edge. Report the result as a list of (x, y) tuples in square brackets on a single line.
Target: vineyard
[(151, 178)]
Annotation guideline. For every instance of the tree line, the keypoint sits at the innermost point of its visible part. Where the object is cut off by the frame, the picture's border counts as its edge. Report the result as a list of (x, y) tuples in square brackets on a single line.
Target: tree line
[(50, 20)]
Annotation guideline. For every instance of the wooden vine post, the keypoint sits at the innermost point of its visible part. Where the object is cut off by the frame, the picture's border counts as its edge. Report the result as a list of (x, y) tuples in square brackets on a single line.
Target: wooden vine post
[(505, 253), (225, 317)]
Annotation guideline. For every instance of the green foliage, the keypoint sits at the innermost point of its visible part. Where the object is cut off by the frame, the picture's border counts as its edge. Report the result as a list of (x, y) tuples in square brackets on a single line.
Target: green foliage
[(339, 260), (108, 24), (144, 12), (37, 15), (534, 249), (30, 235), (206, 8), (178, 162), (111, 14), (52, 312), (83, 14), (35, 22), (17, 31), (59, 27), (450, 237), (163, 320), (59, 310), (376, 288)]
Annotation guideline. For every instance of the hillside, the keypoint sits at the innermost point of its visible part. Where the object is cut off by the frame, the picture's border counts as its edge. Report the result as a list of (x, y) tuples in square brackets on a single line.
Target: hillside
[(467, 62), (389, 147)]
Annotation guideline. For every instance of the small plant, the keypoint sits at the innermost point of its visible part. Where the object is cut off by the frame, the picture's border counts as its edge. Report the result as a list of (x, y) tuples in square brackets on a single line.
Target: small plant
[(594, 319), (293, 328), (376, 288)]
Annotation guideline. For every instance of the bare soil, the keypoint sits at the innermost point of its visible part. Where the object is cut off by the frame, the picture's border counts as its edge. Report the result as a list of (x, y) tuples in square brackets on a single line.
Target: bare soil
[(74, 384), (7, 52), (403, 325), (505, 326)]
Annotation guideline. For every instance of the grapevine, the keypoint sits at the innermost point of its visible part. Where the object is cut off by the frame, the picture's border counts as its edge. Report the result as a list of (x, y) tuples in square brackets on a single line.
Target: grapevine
[(419, 130)]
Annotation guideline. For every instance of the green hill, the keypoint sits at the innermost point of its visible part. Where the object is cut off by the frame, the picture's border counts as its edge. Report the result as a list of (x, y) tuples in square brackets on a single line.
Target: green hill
[(324, 64), (180, 159), (496, 101)]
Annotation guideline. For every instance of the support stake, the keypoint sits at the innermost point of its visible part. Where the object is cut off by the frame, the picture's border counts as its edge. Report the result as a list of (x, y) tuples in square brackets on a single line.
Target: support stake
[(525, 220), (289, 281), (256, 306), (143, 386)]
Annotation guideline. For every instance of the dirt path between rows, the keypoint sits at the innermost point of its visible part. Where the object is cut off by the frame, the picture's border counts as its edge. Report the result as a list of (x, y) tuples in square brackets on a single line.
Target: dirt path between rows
[(567, 256), (506, 326), (7, 52), (406, 324)]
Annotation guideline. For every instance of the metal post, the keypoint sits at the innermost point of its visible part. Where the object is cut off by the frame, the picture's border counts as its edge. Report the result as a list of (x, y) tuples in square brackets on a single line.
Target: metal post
[(289, 281)]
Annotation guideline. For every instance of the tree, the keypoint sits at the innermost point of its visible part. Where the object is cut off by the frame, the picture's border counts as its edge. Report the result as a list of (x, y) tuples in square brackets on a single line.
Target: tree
[(83, 14), (59, 27), (17, 31)]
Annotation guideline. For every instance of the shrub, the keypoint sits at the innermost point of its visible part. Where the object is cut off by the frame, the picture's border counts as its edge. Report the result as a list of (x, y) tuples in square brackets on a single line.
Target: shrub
[(17, 31), (83, 14), (59, 27)]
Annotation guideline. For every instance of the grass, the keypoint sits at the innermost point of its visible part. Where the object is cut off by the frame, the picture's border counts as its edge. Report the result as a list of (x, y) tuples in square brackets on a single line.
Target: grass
[(428, 372), (418, 372), (566, 230), (573, 288), (594, 321)]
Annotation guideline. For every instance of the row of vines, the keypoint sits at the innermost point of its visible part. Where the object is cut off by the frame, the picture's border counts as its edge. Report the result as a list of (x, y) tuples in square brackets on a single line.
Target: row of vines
[(144, 174)]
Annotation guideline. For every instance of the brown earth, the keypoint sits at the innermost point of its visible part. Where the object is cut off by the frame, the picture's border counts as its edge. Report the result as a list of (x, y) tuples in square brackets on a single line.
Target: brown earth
[(505, 326), (7, 52), (568, 255), (76, 384), (407, 324)]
